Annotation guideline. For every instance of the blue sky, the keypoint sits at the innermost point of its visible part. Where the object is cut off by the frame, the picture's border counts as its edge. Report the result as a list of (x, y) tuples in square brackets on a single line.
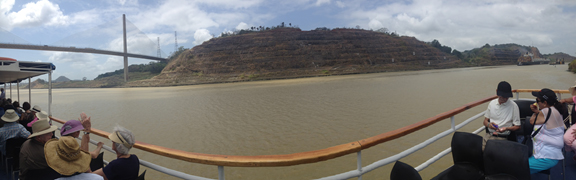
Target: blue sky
[(547, 24)]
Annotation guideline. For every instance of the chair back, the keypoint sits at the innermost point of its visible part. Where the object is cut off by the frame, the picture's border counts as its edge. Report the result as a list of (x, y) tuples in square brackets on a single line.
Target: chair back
[(13, 151), (506, 158), (141, 177), (98, 162), (468, 157), (525, 113)]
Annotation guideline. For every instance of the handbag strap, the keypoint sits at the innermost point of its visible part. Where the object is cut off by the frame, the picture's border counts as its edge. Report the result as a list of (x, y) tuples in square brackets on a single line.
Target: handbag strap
[(547, 117)]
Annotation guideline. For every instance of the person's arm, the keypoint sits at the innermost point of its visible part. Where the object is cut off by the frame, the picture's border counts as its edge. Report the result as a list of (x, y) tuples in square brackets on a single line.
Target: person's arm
[(567, 100), (96, 151), (86, 123), (101, 173)]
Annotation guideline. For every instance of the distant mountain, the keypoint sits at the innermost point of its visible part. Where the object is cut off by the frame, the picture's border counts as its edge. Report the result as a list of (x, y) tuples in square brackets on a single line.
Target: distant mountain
[(61, 79), (500, 54)]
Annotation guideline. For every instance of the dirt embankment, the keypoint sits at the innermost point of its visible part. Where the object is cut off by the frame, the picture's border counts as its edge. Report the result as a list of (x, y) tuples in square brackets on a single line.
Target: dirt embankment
[(292, 53)]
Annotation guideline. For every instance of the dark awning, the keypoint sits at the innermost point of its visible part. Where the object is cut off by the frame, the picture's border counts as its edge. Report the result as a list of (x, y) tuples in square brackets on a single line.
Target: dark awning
[(16, 71)]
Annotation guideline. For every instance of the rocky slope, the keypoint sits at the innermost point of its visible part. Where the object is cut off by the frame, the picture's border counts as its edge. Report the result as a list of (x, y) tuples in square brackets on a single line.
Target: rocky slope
[(291, 53)]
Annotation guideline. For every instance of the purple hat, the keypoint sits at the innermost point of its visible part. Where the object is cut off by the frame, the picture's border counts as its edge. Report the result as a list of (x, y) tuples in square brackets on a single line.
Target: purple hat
[(70, 127)]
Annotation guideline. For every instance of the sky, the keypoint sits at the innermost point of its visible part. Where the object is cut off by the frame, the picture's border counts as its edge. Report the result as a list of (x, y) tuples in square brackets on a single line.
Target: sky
[(549, 25)]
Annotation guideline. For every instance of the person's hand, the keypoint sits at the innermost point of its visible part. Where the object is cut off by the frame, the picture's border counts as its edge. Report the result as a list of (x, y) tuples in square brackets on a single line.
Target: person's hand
[(501, 129), (491, 126), (86, 123), (99, 145), (534, 108), (574, 133)]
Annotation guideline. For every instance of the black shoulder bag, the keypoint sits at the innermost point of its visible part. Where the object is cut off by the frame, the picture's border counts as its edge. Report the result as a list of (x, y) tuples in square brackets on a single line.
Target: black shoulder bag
[(528, 140)]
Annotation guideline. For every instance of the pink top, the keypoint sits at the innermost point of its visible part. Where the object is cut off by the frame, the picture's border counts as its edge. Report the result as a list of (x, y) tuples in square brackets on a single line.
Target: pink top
[(32, 122)]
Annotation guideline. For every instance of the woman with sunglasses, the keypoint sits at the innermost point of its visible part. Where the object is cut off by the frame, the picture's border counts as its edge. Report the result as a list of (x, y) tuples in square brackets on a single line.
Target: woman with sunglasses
[(549, 129)]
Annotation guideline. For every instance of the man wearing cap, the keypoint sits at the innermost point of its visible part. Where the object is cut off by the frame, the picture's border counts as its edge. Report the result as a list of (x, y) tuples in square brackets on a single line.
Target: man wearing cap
[(11, 129), (502, 116), (65, 157), (32, 151)]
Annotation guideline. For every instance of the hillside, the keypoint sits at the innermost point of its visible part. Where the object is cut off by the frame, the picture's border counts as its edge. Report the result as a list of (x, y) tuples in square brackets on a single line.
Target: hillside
[(292, 53), (498, 54)]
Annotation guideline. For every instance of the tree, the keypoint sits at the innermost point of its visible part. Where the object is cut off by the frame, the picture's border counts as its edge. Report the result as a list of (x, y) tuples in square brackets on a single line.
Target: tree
[(357, 26), (84, 79), (457, 53), (382, 30)]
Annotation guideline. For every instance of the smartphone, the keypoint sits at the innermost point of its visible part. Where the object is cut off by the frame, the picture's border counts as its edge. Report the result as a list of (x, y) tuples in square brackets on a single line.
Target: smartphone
[(496, 126)]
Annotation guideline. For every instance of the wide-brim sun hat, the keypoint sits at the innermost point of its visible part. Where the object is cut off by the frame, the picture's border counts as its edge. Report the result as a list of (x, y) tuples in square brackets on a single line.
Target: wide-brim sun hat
[(66, 157), (504, 89), (41, 127), (36, 108), (117, 138), (10, 116), (42, 115), (70, 127)]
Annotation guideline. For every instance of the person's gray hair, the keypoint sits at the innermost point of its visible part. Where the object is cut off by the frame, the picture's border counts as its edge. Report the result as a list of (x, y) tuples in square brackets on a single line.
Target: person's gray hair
[(128, 136)]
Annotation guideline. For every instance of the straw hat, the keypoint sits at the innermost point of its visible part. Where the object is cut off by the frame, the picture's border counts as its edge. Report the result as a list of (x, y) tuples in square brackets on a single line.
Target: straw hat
[(41, 127), (42, 115), (117, 138), (65, 156)]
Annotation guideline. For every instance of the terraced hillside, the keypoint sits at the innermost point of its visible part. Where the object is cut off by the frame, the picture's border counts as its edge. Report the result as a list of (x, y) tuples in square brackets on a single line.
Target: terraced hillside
[(291, 53)]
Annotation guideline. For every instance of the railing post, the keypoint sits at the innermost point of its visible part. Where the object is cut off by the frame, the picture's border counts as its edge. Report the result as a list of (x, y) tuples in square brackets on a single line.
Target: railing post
[(359, 161), (517, 96), (220, 172), (453, 123)]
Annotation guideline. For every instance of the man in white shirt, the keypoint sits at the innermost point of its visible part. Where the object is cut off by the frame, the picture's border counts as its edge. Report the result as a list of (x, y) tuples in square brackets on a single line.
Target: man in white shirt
[(502, 116)]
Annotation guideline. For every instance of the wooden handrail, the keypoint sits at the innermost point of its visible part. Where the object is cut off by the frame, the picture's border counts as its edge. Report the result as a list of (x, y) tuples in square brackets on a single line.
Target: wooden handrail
[(301, 157)]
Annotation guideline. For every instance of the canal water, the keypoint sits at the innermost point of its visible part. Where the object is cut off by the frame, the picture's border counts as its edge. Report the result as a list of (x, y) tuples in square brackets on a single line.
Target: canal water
[(295, 115)]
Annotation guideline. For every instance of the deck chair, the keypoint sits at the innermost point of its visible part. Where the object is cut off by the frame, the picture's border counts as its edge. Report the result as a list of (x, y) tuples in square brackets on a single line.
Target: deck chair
[(97, 163), (141, 177), (525, 112), (506, 160), (467, 156), (42, 174), (13, 155), (403, 171)]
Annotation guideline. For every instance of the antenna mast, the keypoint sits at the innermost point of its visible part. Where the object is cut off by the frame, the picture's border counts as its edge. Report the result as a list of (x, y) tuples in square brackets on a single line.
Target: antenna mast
[(175, 42)]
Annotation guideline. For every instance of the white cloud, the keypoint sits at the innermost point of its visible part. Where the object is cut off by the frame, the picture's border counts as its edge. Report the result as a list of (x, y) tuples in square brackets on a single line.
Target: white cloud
[(38, 13), (320, 2), (242, 25), (201, 35)]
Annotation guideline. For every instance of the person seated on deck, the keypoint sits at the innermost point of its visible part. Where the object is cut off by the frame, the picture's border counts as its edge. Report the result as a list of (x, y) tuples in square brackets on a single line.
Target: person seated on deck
[(125, 166), (17, 108), (65, 157), (570, 135), (42, 115), (502, 116), (27, 116), (32, 151), (11, 129), (548, 142), (73, 127)]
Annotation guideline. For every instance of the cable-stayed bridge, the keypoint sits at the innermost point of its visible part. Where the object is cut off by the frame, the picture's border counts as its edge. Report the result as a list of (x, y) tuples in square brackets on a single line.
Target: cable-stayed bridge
[(76, 49)]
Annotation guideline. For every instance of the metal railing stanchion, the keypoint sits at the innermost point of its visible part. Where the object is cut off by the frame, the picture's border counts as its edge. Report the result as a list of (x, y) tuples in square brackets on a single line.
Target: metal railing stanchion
[(220, 172), (359, 160)]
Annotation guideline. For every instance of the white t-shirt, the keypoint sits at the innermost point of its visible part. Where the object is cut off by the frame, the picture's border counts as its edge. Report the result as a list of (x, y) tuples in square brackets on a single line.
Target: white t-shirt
[(83, 176), (504, 115)]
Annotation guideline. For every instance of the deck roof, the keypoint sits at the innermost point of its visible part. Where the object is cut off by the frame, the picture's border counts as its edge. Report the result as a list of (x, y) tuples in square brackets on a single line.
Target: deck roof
[(16, 71)]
